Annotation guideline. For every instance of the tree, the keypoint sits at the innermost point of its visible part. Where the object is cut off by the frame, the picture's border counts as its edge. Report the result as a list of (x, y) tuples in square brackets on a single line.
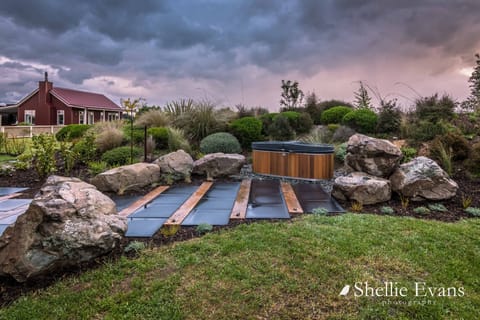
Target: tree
[(292, 96), (389, 117), (434, 109), (131, 106), (473, 101), (312, 108), (362, 99)]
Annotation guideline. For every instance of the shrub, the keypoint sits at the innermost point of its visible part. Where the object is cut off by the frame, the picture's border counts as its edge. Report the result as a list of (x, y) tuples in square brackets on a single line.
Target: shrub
[(328, 104), (437, 207), (247, 130), (135, 247), (108, 139), (456, 143), (473, 162), (43, 152), (120, 156), (220, 142), (333, 127), (466, 201), (443, 155), (320, 211), (152, 118), (280, 129), (425, 130), (473, 211), (96, 167), (86, 148), (204, 228), (361, 120), (137, 134), (408, 153), (387, 210), (267, 120), (342, 134), (421, 210), (341, 152), (389, 118), (72, 132), (434, 109), (300, 122), (160, 136), (335, 114), (177, 140)]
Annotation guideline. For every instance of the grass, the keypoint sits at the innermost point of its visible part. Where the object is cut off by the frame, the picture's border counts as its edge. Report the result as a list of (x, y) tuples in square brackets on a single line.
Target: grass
[(6, 157), (289, 270)]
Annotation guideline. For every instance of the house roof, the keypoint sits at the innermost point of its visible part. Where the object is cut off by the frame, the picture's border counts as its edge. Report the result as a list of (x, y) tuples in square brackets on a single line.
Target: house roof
[(83, 99)]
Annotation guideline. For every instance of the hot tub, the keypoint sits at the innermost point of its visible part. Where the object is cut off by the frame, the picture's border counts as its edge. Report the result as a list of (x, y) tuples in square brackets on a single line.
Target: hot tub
[(293, 159)]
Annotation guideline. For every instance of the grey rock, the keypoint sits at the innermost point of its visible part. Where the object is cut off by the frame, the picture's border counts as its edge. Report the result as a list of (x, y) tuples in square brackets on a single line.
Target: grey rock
[(68, 222), (423, 179), (130, 177), (362, 187), (219, 164), (177, 165), (376, 157)]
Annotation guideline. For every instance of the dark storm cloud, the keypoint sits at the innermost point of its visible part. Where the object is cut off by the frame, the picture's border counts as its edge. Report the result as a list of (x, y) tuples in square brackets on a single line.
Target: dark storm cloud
[(214, 40)]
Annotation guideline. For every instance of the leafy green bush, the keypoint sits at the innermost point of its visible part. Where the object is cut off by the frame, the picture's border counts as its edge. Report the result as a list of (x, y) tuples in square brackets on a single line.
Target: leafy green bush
[(135, 247), (300, 122), (43, 152), (137, 134), (341, 152), (361, 120), (280, 129), (473, 211), (335, 114), (96, 167), (408, 153), (247, 130), (387, 210), (328, 104), (120, 156), (86, 148), (72, 132), (160, 136), (220, 142)]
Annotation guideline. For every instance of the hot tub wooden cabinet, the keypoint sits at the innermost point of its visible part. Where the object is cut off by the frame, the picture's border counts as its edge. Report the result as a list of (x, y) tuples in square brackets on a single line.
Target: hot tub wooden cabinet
[(293, 159)]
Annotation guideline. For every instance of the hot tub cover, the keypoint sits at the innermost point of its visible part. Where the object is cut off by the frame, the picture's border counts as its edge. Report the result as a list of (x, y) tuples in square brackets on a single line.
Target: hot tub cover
[(293, 146)]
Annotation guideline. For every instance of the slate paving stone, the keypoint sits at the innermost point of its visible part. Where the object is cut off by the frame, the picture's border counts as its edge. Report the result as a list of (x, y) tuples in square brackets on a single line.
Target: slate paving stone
[(313, 196), (5, 191), (2, 228), (10, 219), (11, 204), (144, 228), (266, 201)]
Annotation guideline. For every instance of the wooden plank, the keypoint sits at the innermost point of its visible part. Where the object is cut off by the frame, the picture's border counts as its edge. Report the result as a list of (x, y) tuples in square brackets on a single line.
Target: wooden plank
[(182, 212), (239, 210), (9, 196), (293, 204), (143, 201)]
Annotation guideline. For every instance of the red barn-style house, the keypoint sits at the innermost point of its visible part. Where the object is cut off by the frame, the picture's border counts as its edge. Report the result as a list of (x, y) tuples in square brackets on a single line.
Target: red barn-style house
[(59, 106)]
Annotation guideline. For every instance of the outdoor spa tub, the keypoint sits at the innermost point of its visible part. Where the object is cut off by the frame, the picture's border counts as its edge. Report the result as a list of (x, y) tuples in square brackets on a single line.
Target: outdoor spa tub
[(293, 159)]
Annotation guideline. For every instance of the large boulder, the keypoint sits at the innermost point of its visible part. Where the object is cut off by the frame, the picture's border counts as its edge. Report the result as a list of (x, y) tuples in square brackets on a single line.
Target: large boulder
[(176, 165), (219, 164), (421, 179), (376, 157), (68, 222), (131, 177), (362, 187)]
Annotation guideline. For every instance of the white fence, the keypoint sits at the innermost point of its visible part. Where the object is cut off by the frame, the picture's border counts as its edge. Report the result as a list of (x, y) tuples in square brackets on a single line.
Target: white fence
[(28, 131)]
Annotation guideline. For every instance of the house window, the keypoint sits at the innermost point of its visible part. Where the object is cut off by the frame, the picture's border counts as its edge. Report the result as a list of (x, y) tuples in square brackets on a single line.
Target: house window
[(60, 117), (30, 116), (81, 116), (91, 118), (112, 116), (102, 116)]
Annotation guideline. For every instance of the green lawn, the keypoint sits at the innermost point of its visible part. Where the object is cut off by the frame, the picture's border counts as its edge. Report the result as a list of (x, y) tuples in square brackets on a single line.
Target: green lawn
[(289, 270)]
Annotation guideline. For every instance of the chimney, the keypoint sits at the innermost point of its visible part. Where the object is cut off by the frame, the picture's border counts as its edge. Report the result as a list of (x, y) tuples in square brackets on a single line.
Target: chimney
[(43, 98)]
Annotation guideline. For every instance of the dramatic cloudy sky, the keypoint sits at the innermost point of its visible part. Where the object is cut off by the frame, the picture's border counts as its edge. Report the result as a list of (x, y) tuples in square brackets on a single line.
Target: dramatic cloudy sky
[(238, 51)]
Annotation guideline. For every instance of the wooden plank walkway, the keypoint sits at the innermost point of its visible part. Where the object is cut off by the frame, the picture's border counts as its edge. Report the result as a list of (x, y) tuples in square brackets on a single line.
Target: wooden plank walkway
[(143, 201), (239, 210), (293, 205), (182, 212), (9, 196)]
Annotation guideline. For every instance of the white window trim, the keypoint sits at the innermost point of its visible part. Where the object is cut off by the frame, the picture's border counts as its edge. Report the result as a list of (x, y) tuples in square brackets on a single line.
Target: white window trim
[(31, 114), (60, 113)]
